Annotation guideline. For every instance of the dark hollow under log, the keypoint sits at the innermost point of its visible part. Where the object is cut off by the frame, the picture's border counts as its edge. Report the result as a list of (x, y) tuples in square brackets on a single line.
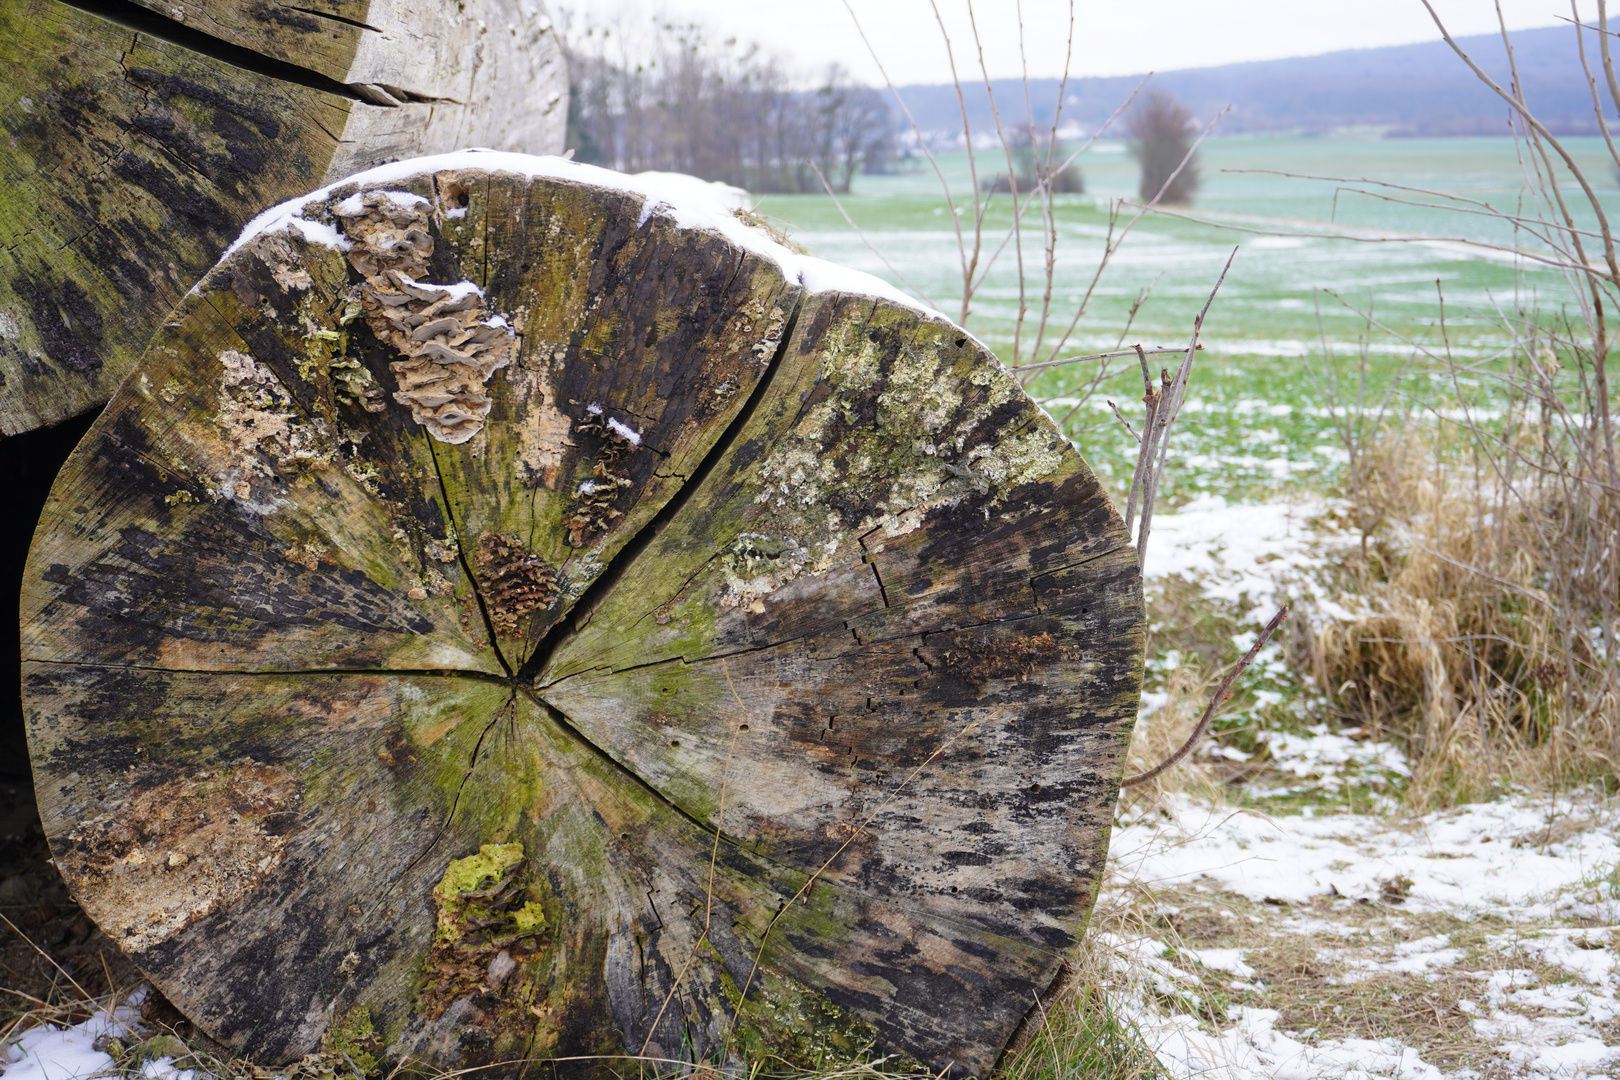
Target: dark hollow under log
[(515, 617)]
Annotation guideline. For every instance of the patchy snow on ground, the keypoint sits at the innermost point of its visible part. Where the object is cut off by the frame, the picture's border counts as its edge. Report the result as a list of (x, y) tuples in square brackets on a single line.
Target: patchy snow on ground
[(1547, 868), (1235, 550), (48, 1052), (1514, 858)]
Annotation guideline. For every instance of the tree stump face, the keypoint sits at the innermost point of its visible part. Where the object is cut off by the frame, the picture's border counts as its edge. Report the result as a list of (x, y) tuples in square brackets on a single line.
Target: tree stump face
[(501, 621)]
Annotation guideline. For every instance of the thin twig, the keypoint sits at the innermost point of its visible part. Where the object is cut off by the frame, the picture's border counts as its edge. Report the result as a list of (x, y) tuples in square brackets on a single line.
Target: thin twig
[(1112, 243), (924, 297), (1168, 409), (1222, 692), (1133, 351), (1124, 423), (1518, 105)]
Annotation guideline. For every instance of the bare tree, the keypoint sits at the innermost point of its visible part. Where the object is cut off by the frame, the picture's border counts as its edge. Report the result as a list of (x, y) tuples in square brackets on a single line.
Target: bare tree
[(852, 126), (1162, 131), (1039, 162)]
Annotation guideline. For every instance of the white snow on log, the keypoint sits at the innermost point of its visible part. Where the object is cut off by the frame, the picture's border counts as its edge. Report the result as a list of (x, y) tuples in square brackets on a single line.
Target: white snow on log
[(625, 431), (355, 204), (319, 232), (690, 203)]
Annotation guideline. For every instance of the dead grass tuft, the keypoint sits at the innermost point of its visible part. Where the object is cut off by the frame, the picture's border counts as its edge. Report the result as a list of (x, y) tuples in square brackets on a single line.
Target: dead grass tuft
[(1482, 595)]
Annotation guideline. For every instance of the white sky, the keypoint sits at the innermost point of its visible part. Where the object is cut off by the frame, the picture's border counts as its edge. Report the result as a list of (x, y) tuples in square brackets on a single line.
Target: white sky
[(1111, 37)]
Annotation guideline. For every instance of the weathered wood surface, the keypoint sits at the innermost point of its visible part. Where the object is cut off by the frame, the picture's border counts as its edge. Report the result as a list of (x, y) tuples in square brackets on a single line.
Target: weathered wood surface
[(791, 642), (137, 146)]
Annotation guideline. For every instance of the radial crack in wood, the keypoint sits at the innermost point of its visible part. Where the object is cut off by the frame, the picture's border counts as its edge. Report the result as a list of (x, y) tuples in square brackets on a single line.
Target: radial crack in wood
[(827, 646)]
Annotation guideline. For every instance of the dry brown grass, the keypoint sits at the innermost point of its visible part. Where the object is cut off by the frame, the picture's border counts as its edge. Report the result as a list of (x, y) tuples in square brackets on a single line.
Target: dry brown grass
[(1485, 583), (1489, 563)]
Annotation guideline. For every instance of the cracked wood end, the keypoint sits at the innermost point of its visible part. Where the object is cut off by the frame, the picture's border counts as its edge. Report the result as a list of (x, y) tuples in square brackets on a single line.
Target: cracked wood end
[(744, 672), (141, 137)]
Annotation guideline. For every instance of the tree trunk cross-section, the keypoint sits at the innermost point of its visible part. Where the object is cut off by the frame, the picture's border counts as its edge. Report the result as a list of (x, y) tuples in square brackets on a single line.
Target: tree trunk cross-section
[(136, 145), (517, 617)]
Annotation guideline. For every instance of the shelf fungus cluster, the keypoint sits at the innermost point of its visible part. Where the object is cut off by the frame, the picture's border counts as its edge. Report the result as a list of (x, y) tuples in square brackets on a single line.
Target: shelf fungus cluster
[(448, 341)]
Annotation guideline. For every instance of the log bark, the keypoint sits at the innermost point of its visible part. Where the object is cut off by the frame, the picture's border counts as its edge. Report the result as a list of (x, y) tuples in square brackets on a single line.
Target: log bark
[(142, 136), (714, 667)]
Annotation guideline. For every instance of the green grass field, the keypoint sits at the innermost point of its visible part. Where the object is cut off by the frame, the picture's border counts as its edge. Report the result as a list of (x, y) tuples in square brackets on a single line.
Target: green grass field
[(1292, 320)]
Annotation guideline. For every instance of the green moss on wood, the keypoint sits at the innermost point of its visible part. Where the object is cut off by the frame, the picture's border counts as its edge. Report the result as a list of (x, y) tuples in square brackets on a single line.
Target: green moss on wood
[(470, 875)]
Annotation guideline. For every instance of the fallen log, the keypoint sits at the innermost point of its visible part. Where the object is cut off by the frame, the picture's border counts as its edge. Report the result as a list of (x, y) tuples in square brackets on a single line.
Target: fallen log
[(517, 611), (140, 137)]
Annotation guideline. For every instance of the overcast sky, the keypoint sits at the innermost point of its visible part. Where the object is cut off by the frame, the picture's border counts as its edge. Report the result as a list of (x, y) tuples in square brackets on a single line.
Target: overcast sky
[(1111, 38)]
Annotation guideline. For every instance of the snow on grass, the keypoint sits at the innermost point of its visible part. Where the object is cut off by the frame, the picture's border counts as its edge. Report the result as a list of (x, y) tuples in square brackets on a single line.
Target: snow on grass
[(1502, 858), (1321, 760), (48, 1052), (1236, 551), (1541, 1000)]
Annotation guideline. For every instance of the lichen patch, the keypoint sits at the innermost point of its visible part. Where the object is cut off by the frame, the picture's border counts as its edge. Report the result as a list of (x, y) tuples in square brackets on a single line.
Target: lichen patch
[(262, 432), (756, 565), (449, 342), (179, 848), (490, 919), (894, 441)]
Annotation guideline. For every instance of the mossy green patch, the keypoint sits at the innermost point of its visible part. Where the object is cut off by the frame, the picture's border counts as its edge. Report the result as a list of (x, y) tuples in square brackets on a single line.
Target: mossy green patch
[(784, 1023), (352, 1037), (473, 874)]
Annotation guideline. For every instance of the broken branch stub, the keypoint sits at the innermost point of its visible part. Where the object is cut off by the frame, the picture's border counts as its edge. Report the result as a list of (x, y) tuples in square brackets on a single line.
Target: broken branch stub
[(512, 617), (141, 136)]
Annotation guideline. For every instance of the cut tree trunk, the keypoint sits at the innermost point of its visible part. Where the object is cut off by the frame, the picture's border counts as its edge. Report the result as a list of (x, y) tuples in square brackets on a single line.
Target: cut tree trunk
[(646, 652), (141, 137)]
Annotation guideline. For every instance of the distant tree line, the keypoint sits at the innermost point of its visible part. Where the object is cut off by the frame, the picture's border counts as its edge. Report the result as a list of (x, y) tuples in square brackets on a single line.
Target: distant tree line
[(675, 100)]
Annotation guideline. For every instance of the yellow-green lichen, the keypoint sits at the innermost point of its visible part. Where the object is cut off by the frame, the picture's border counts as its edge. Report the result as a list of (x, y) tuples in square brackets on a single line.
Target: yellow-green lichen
[(491, 925), (475, 873), (530, 918), (353, 1038)]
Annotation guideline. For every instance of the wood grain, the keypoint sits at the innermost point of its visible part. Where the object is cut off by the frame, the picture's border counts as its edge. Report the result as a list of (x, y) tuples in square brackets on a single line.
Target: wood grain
[(789, 639)]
